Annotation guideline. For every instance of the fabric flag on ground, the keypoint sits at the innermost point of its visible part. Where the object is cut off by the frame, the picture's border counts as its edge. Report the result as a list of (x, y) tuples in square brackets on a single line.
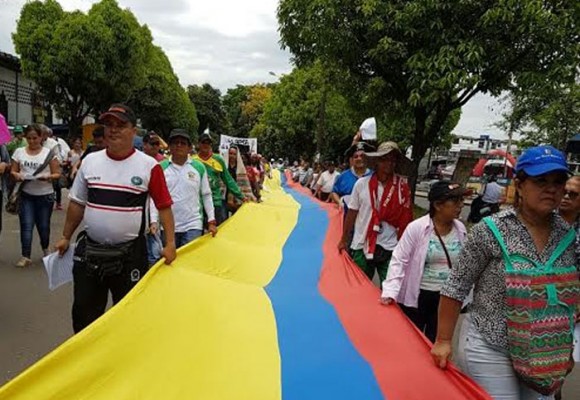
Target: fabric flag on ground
[(266, 310)]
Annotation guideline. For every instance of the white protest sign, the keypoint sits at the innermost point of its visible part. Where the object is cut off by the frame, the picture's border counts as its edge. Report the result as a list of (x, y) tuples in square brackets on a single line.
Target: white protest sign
[(249, 145)]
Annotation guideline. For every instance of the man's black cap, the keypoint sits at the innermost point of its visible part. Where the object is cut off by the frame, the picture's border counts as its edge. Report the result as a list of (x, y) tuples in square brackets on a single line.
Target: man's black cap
[(360, 146), (182, 133), (121, 112), (205, 137)]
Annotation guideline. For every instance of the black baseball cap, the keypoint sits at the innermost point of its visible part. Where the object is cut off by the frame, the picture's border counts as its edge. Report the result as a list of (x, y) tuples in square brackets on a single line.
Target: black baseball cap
[(444, 190), (182, 133), (121, 112), (205, 137)]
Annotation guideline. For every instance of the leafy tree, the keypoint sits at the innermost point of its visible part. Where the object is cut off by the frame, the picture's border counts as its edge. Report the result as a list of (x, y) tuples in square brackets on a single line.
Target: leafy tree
[(432, 57), (292, 119), (232, 103), (253, 107), (161, 102), (545, 113), (208, 103), (82, 62)]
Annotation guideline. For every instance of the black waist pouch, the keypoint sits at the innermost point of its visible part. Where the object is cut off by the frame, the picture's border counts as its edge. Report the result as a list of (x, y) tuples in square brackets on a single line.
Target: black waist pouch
[(107, 260)]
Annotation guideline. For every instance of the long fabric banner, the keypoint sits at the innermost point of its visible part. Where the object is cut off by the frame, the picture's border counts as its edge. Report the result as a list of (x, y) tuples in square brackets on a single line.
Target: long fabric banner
[(268, 309)]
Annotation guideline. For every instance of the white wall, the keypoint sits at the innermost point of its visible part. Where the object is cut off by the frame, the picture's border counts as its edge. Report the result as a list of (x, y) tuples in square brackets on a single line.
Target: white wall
[(19, 112)]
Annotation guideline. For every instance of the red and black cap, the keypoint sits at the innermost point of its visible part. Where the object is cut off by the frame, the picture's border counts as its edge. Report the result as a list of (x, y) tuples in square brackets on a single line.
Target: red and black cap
[(121, 112)]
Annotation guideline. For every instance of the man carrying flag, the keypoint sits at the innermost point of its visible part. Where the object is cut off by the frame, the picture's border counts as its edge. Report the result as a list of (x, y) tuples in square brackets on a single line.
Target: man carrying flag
[(379, 209)]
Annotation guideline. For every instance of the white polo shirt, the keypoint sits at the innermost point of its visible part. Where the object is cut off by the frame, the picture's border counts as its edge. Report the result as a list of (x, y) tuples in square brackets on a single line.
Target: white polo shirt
[(360, 200), (191, 195), (326, 181)]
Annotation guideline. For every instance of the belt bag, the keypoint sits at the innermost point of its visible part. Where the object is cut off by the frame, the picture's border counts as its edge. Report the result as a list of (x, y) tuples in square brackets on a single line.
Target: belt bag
[(107, 260)]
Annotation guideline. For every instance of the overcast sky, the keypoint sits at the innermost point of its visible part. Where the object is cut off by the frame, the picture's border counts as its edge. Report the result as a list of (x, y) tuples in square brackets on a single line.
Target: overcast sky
[(226, 42)]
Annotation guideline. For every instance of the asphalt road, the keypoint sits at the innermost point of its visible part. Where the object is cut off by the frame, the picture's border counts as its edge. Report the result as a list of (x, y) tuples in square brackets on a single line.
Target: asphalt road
[(34, 320)]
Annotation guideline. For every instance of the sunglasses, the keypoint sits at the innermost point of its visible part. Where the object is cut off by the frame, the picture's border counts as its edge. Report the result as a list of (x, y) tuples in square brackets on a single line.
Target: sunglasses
[(571, 194)]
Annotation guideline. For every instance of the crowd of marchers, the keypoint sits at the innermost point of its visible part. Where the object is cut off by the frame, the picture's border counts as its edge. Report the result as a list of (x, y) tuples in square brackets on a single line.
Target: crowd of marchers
[(514, 274)]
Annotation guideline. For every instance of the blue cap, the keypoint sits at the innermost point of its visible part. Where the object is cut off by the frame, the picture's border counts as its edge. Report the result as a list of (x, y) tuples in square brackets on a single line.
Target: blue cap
[(542, 160)]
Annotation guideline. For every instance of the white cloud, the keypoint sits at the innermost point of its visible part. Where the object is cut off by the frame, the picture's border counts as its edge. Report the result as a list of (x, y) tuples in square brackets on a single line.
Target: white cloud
[(226, 42)]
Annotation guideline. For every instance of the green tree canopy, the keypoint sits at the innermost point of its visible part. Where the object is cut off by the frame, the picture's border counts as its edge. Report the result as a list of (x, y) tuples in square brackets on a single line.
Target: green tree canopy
[(548, 112), (84, 62), (304, 113), (232, 103), (161, 102), (208, 104), (431, 57)]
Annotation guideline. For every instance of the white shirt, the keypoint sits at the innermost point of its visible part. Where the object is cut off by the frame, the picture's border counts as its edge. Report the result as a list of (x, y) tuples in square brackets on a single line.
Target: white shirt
[(49, 143), (326, 181), (28, 165), (116, 193), (360, 200), (63, 149), (189, 192), (492, 193)]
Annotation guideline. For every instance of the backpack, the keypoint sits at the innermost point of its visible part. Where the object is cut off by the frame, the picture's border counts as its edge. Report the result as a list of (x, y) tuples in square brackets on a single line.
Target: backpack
[(541, 310)]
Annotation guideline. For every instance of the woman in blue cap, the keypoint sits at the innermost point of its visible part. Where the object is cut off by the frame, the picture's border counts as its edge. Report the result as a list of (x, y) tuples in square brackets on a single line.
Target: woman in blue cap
[(516, 342)]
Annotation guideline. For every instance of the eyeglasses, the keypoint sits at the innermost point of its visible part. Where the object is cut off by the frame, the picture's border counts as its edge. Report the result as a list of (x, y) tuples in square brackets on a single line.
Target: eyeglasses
[(571, 194)]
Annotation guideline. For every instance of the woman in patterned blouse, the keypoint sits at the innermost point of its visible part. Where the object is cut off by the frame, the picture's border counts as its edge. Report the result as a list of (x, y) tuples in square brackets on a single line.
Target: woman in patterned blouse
[(531, 229)]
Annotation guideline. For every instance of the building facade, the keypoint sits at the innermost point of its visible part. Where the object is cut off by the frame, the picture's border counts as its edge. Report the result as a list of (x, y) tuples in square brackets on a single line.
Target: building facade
[(20, 101), (482, 144)]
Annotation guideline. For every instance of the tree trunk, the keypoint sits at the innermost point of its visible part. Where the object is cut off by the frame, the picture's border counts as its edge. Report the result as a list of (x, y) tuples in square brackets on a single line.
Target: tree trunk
[(419, 147), (321, 131)]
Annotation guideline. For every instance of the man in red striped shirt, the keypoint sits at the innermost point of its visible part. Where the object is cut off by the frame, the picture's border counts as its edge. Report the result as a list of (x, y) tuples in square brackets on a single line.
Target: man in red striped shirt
[(111, 194)]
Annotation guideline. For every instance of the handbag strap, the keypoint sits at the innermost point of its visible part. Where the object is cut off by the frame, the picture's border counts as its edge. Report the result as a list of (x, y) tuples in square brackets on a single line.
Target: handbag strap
[(46, 161), (443, 245)]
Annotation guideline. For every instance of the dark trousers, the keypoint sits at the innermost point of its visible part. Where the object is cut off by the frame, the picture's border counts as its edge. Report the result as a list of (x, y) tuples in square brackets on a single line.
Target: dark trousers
[(57, 191), (91, 291), (425, 316), (35, 210), (221, 213)]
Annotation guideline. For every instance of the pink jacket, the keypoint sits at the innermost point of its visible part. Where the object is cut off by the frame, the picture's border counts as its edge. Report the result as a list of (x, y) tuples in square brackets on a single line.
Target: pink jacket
[(408, 261)]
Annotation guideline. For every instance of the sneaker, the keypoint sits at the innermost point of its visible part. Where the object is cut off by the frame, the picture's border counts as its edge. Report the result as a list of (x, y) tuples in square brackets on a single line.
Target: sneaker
[(23, 262)]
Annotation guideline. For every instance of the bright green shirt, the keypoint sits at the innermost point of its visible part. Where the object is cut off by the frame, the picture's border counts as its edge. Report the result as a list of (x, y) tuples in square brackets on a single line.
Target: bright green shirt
[(217, 172)]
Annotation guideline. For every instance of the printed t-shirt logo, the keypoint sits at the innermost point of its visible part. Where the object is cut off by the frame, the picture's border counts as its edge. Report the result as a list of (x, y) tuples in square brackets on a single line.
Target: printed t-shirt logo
[(136, 180)]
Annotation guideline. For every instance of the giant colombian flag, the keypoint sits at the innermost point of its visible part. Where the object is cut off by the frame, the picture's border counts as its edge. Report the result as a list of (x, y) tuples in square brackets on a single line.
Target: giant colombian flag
[(267, 310)]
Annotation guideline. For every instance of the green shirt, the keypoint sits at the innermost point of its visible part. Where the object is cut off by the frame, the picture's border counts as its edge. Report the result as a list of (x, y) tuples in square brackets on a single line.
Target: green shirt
[(217, 172), (15, 144)]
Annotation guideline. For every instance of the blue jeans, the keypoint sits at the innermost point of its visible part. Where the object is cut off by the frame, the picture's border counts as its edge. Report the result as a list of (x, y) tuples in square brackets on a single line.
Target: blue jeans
[(183, 238), (491, 367), (154, 247), (35, 210), (155, 243)]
